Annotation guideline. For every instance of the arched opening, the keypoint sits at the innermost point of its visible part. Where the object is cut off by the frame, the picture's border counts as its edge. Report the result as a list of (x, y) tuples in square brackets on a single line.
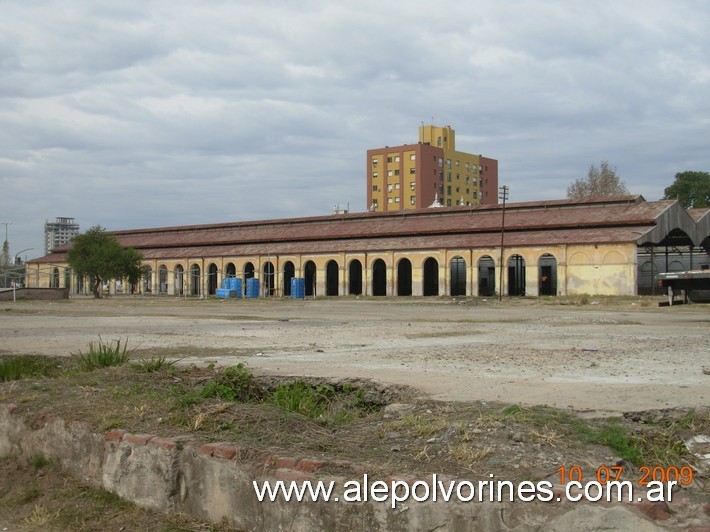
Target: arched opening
[(379, 278), (404, 277), (457, 284), (355, 277), (162, 279), (248, 274), (230, 270), (212, 279), (646, 278), (147, 280), (54, 279), (268, 278), (516, 276), (67, 278), (548, 275), (309, 274), (289, 273), (486, 276), (332, 278), (195, 278), (179, 280), (431, 277)]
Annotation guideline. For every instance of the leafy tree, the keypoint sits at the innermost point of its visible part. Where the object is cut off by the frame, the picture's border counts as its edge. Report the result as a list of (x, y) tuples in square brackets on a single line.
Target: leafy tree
[(600, 182), (98, 255), (691, 189)]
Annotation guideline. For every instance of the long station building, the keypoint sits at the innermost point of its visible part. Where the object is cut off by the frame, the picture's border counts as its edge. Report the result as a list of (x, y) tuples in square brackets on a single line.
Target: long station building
[(606, 246)]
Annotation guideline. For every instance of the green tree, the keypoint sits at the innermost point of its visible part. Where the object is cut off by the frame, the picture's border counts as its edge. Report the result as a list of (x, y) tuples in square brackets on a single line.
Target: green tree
[(691, 189), (600, 182), (98, 255)]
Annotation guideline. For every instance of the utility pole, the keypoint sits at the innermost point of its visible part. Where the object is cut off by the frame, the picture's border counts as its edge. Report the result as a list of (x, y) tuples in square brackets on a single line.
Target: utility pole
[(502, 195)]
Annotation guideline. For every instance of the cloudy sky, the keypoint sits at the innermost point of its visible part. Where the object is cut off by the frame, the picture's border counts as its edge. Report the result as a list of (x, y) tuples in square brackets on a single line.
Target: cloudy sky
[(165, 112)]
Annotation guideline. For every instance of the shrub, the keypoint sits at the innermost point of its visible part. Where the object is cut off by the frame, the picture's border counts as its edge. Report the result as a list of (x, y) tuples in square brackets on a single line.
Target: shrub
[(235, 383)]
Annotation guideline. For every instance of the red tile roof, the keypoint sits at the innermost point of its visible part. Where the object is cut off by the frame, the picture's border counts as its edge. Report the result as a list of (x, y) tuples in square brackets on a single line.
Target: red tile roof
[(601, 220)]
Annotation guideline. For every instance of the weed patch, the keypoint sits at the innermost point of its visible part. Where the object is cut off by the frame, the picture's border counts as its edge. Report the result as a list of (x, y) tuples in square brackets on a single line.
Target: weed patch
[(154, 364), (20, 367), (102, 354)]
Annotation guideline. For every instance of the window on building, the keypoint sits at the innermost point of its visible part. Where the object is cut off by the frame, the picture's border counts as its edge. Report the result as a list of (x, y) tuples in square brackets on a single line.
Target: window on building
[(475, 194), (374, 162), (375, 175), (457, 189), (374, 202), (396, 186), (448, 176), (412, 200), (396, 172), (448, 203), (389, 188), (412, 157), (448, 163), (412, 171), (389, 159), (412, 185), (389, 200), (396, 200), (389, 173), (457, 162), (374, 188), (396, 159), (438, 141), (467, 180), (441, 162), (448, 190)]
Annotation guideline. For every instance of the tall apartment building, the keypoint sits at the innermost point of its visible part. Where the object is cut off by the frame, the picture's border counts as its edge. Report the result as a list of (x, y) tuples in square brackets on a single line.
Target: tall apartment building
[(59, 232), (413, 176)]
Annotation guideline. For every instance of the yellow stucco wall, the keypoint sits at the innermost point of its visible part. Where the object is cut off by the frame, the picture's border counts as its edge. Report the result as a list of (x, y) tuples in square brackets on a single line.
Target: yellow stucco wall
[(588, 269)]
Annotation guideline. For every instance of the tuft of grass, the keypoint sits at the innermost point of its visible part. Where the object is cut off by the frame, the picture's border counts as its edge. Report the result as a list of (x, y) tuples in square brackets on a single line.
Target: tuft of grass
[(468, 456), (38, 461), (41, 517), (323, 403), (153, 364), (305, 399), (18, 367), (102, 354)]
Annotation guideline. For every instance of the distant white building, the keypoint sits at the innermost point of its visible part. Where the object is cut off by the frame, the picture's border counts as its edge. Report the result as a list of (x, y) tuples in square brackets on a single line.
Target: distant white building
[(59, 233)]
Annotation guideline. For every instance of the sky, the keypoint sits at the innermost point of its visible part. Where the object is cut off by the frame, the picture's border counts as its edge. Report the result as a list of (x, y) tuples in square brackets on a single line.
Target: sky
[(150, 113)]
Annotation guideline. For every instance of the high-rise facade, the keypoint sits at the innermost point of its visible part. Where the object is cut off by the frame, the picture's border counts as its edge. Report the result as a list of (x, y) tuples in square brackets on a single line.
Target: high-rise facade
[(414, 176), (59, 232)]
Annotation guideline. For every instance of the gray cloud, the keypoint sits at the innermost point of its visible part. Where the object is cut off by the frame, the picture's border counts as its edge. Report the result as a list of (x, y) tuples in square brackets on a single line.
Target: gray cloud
[(151, 113)]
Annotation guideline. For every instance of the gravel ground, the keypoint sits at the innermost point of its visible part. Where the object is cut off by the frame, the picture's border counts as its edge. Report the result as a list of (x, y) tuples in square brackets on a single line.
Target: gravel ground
[(610, 356)]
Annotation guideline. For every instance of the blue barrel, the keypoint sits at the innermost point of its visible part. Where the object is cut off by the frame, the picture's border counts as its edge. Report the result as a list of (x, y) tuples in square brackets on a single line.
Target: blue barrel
[(236, 286), (253, 287), (298, 288)]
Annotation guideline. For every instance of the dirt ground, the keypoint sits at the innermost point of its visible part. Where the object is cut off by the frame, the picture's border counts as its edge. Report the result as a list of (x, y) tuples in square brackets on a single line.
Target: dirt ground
[(608, 356), (457, 364)]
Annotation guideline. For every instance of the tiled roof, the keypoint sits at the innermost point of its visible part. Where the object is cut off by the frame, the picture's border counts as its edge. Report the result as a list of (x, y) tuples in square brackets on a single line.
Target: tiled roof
[(619, 219)]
